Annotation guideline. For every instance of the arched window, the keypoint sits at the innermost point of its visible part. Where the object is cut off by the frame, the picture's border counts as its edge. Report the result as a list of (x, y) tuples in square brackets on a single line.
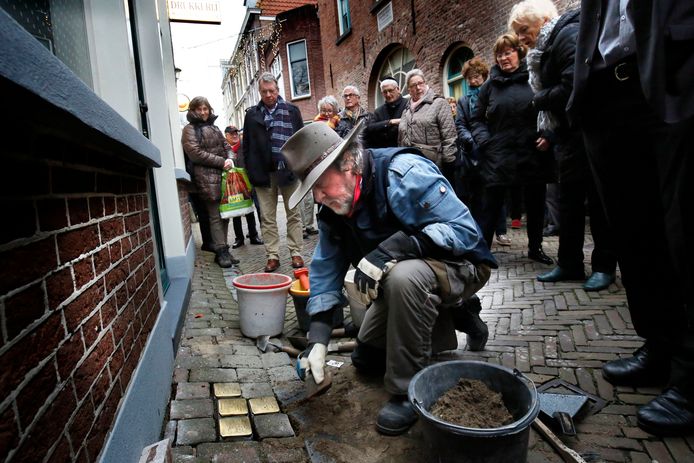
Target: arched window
[(453, 72), (396, 65)]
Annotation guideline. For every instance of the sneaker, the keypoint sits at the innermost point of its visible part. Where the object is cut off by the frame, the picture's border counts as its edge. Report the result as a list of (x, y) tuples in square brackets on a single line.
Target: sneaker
[(516, 223), (503, 240), (396, 416)]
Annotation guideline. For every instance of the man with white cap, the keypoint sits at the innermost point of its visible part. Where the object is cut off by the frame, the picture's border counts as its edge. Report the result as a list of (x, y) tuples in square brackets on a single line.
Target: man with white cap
[(418, 252)]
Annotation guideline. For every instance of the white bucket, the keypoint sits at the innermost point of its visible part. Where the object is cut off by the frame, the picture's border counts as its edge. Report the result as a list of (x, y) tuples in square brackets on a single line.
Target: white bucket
[(357, 309), (262, 301)]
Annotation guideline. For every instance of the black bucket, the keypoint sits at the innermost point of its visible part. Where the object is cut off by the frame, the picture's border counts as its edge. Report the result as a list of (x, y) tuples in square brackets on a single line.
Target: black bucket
[(453, 443)]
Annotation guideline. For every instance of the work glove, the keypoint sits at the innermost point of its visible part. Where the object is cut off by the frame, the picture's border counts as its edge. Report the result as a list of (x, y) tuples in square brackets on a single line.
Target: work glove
[(313, 358), (370, 270)]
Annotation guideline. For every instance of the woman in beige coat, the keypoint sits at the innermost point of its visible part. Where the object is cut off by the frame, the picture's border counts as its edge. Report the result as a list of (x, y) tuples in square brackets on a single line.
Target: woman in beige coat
[(427, 124)]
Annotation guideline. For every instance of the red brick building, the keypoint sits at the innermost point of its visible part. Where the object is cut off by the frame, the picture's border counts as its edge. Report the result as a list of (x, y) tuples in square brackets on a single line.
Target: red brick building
[(282, 37), (364, 40)]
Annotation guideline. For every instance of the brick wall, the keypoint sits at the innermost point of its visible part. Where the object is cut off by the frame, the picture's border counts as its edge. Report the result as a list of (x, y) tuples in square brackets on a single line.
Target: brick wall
[(78, 295), (439, 25), (184, 204), (303, 23)]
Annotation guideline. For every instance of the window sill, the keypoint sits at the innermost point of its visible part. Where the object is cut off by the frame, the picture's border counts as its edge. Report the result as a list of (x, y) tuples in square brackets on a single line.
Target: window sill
[(302, 97), (341, 38)]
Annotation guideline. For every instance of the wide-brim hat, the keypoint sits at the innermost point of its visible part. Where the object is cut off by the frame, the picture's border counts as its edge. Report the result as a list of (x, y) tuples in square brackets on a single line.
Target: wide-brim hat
[(310, 151)]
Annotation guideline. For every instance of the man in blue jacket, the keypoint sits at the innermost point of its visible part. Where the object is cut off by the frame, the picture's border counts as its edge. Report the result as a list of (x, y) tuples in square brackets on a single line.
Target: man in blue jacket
[(419, 254)]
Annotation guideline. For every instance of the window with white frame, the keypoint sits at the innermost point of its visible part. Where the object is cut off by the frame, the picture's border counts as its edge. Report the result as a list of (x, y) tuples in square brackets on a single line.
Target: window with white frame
[(298, 66), (396, 66), (343, 17)]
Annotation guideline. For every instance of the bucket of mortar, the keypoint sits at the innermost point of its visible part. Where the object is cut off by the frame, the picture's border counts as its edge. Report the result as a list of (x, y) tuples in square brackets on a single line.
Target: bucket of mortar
[(454, 443), (300, 297), (262, 301)]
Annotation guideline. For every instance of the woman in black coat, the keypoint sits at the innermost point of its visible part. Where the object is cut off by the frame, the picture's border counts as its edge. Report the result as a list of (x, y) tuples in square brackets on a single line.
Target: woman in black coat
[(511, 154), (552, 39)]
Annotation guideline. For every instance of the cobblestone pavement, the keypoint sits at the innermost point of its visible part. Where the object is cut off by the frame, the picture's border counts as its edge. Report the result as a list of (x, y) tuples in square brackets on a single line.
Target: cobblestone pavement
[(546, 331)]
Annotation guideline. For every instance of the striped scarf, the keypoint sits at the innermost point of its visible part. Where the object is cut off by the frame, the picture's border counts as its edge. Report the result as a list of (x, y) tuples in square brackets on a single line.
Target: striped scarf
[(279, 125)]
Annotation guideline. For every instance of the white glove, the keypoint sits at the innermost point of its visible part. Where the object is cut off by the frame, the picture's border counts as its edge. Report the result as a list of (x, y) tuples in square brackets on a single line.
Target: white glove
[(314, 362)]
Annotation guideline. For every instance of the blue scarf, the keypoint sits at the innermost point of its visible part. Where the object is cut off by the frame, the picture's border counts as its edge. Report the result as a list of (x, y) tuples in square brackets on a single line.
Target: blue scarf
[(279, 124), (473, 94)]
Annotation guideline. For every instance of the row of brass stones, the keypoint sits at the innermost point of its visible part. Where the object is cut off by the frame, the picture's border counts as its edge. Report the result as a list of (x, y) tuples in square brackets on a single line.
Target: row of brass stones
[(233, 410)]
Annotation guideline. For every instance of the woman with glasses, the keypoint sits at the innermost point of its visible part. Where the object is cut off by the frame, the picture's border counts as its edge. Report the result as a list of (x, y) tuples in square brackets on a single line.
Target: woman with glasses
[(427, 124), (504, 125), (327, 111)]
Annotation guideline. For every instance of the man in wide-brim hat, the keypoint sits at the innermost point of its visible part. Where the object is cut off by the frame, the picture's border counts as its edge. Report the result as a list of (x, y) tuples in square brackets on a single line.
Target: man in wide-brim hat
[(420, 258)]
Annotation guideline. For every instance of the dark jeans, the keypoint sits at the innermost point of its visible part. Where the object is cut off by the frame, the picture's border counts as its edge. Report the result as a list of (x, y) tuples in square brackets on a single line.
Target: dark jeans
[(534, 196), (572, 200), (250, 223), (643, 172)]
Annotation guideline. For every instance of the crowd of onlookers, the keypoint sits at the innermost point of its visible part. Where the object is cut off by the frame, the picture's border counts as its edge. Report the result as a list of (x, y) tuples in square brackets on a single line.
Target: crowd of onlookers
[(587, 113)]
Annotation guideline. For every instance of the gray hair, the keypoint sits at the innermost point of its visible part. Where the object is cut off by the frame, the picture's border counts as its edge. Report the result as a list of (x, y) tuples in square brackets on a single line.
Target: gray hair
[(354, 88), (531, 12), (329, 99), (389, 82), (351, 159), (411, 74), (267, 77)]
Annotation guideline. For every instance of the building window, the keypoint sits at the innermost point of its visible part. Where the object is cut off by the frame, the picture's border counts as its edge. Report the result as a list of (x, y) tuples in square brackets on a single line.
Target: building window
[(298, 65), (60, 26), (385, 16), (395, 66), (276, 69), (343, 17), (453, 72)]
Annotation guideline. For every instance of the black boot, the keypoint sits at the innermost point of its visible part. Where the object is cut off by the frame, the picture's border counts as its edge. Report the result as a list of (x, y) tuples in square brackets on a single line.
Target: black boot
[(669, 414), (466, 318), (647, 367), (238, 242), (224, 259), (396, 416), (369, 360)]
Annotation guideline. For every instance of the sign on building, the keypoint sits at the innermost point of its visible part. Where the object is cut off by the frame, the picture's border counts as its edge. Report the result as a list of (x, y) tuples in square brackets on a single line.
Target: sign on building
[(192, 11)]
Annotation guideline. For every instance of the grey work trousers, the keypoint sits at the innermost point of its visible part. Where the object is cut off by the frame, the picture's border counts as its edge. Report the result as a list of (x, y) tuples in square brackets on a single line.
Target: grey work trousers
[(409, 322)]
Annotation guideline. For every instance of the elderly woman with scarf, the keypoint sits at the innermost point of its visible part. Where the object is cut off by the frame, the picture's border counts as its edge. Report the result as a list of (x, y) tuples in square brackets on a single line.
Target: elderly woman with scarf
[(427, 124), (552, 39)]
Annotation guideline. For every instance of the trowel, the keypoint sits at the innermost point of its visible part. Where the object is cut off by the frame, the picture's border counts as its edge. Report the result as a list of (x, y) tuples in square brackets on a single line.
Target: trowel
[(263, 343)]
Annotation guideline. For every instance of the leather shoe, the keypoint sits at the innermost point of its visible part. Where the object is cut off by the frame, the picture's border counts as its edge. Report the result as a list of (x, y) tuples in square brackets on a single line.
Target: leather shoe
[(599, 281), (256, 240), (272, 265), (669, 414), (297, 262), (644, 368), (538, 255), (561, 274), (238, 242), (396, 416)]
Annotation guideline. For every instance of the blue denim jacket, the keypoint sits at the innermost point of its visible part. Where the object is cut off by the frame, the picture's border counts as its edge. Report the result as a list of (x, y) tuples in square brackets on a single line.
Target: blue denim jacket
[(419, 198)]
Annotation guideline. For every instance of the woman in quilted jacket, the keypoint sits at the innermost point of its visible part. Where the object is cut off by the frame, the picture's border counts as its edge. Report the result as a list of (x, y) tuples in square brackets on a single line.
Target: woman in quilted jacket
[(206, 147), (427, 124)]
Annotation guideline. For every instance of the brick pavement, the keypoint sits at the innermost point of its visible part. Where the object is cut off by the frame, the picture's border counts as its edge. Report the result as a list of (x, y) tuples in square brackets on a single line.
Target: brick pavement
[(546, 331)]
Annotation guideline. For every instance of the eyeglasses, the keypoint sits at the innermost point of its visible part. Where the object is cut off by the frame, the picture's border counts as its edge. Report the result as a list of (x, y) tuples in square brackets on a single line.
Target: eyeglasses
[(417, 84), (326, 111), (350, 95)]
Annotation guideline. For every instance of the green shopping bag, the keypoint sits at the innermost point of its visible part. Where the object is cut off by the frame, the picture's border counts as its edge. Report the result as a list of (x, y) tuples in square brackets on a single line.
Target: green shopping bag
[(236, 193)]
